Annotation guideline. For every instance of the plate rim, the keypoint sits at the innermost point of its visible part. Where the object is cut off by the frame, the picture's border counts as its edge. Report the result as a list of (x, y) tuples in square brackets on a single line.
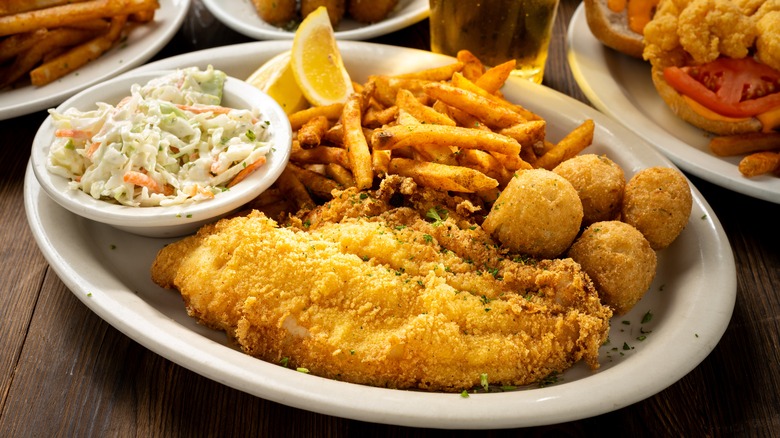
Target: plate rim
[(542, 406), (413, 16)]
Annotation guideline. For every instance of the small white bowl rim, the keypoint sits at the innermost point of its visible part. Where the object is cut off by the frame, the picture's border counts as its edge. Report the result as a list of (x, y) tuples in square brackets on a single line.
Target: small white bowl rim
[(99, 210)]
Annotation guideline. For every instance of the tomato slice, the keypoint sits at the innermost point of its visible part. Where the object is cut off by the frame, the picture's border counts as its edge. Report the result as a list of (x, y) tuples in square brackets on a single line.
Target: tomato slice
[(730, 87)]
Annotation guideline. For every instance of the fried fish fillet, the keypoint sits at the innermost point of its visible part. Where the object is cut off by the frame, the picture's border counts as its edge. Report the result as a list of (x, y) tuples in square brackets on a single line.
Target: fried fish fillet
[(392, 299)]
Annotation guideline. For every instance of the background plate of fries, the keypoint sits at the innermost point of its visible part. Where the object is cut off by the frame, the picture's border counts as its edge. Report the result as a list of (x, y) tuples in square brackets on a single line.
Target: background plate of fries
[(139, 40), (241, 16), (621, 87), (691, 299)]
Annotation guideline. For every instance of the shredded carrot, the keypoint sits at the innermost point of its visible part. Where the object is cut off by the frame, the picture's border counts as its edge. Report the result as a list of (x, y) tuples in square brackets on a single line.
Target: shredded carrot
[(79, 134), (92, 149), (142, 179), (246, 171)]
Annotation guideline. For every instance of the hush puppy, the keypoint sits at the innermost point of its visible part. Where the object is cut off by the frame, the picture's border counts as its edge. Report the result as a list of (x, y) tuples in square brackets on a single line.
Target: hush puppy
[(619, 260), (599, 182), (657, 202), (538, 213)]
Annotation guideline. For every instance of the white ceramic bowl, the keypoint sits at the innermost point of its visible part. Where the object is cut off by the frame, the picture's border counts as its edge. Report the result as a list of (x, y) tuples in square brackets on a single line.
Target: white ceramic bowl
[(174, 220)]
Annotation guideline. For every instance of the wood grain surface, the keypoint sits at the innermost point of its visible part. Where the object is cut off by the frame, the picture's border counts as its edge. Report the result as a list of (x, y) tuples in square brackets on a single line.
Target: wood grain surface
[(65, 372)]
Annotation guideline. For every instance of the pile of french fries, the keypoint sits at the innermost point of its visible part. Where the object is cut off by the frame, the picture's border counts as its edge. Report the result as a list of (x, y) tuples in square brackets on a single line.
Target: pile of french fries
[(47, 39), (761, 152), (448, 128)]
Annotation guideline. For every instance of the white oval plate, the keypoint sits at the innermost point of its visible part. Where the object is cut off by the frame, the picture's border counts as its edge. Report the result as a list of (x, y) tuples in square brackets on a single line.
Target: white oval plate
[(241, 16), (691, 299), (621, 87), (142, 43)]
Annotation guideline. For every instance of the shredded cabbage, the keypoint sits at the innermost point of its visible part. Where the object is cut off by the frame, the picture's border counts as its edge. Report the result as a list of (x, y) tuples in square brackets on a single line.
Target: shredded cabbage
[(169, 142)]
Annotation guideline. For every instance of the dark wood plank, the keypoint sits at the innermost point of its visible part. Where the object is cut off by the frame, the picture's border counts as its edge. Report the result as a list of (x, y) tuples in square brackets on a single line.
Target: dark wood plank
[(65, 372)]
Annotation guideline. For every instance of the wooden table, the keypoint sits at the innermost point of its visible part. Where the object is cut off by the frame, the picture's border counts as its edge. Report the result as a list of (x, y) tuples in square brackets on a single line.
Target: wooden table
[(65, 372)]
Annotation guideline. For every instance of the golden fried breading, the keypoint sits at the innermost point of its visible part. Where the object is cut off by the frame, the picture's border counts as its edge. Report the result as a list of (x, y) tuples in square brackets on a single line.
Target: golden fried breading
[(393, 300), (538, 213), (599, 182), (619, 260), (690, 32), (658, 201), (276, 12), (335, 8), (371, 11)]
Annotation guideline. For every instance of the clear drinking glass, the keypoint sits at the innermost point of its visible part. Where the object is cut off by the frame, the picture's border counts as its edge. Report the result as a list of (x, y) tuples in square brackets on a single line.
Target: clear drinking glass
[(496, 31)]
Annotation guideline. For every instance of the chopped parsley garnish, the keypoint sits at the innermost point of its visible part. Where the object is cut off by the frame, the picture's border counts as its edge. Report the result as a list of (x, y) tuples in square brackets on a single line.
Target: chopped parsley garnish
[(437, 215), (483, 381)]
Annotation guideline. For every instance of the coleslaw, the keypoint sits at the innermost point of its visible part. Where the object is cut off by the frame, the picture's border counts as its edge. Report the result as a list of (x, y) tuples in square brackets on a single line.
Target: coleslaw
[(170, 142)]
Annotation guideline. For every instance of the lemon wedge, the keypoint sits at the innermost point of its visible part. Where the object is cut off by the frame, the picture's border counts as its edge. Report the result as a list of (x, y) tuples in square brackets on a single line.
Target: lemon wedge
[(276, 79), (316, 61)]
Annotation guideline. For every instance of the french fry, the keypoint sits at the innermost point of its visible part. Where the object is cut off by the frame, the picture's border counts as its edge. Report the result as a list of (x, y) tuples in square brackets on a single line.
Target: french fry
[(472, 66), (53, 40), (485, 163), (311, 133), (442, 73), (319, 155), (380, 161), (355, 143), (460, 81), (386, 88), (8, 7), (572, 144), (66, 14), (398, 136), (340, 174), (442, 177), (332, 112), (96, 25), (20, 43), (434, 152), (314, 182), (760, 163), (745, 143), (78, 56), (527, 133), (289, 184), (495, 77), (474, 104), (376, 117), (426, 114)]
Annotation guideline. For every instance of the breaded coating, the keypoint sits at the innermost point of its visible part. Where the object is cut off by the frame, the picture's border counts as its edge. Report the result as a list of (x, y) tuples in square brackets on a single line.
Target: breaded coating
[(710, 28), (276, 12), (619, 260), (336, 9), (768, 41), (371, 11), (658, 201), (690, 32), (392, 300), (539, 213), (599, 182)]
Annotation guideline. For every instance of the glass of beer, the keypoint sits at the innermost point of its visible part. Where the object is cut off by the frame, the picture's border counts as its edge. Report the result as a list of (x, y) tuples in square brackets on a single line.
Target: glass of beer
[(496, 31)]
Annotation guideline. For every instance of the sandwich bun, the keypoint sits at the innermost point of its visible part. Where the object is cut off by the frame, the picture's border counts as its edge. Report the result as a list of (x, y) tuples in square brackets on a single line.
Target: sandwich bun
[(611, 28), (682, 108)]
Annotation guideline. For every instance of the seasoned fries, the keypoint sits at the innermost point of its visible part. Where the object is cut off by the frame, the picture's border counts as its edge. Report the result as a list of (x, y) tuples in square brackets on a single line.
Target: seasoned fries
[(761, 151), (49, 39), (448, 128)]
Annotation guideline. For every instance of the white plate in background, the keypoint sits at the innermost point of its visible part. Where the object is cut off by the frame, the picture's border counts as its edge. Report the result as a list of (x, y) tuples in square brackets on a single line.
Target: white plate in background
[(241, 16), (142, 43), (621, 87), (691, 299)]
